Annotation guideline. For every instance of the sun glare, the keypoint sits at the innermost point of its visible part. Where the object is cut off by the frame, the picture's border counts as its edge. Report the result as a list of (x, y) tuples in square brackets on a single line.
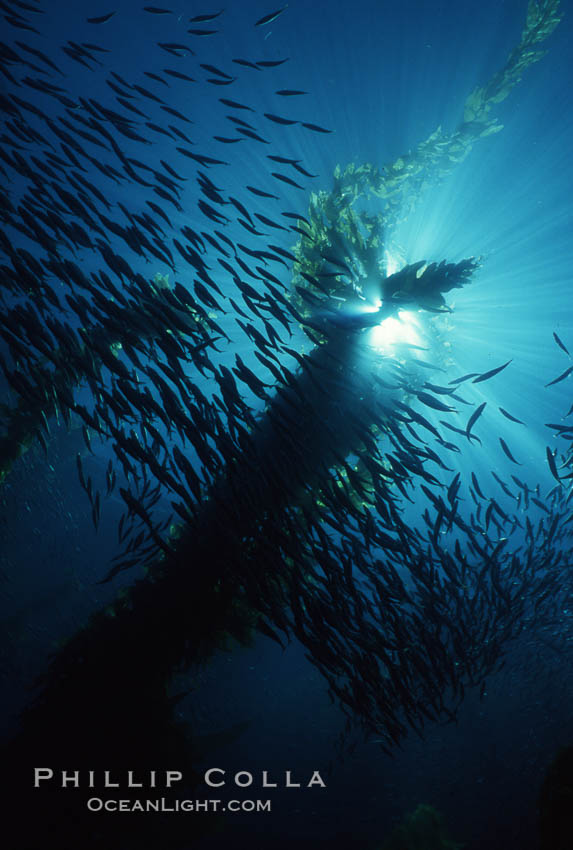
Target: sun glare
[(400, 330)]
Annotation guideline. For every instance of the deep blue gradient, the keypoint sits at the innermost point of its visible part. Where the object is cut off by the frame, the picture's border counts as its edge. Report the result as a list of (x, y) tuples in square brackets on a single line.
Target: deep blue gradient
[(382, 76)]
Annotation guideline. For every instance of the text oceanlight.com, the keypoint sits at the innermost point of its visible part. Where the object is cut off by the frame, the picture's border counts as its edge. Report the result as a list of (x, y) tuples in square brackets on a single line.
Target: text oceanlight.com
[(97, 804)]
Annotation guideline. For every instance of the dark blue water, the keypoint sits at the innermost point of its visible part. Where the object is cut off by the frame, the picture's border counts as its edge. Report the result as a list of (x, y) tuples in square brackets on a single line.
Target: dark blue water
[(381, 77)]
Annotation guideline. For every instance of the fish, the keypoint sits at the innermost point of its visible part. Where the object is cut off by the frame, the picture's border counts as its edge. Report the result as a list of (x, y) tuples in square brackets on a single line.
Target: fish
[(156, 77), (253, 135), (214, 70), (561, 344), (268, 63), (454, 488), (507, 451), (203, 159), (561, 377), (39, 55), (315, 127), (172, 171), (203, 19), (269, 222), (302, 170), (175, 113), (503, 485), (246, 64), (286, 179), (217, 81), (510, 417), (304, 467), (179, 75), (127, 105), (178, 132), (464, 378), (270, 17), (552, 465), (261, 193), (485, 376), (234, 104), (283, 159), (432, 402), (289, 92), (474, 418), (146, 93), (241, 208), (95, 47), (476, 485), (433, 387), (175, 48), (278, 119), (102, 19), (20, 24), (283, 253), (296, 217)]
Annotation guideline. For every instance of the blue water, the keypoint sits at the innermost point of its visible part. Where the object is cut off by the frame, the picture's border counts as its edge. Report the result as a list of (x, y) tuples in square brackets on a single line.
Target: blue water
[(381, 77)]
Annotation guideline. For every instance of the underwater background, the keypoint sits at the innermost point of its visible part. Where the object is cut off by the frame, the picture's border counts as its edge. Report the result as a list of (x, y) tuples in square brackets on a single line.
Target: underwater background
[(373, 80)]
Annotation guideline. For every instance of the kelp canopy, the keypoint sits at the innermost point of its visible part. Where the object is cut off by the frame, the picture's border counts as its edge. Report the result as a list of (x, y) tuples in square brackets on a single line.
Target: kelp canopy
[(389, 194)]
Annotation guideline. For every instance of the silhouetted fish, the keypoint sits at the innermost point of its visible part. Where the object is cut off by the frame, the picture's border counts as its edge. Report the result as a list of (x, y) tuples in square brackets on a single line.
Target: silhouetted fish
[(102, 19)]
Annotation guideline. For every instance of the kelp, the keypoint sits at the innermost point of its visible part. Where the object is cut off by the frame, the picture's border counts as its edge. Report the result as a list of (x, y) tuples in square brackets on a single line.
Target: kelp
[(390, 193)]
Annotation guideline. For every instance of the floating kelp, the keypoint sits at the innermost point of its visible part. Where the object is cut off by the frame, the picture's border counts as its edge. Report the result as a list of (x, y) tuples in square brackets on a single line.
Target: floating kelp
[(422, 830)]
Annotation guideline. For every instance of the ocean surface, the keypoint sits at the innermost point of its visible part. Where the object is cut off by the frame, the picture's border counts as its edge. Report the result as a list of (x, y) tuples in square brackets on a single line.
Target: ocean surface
[(188, 149)]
